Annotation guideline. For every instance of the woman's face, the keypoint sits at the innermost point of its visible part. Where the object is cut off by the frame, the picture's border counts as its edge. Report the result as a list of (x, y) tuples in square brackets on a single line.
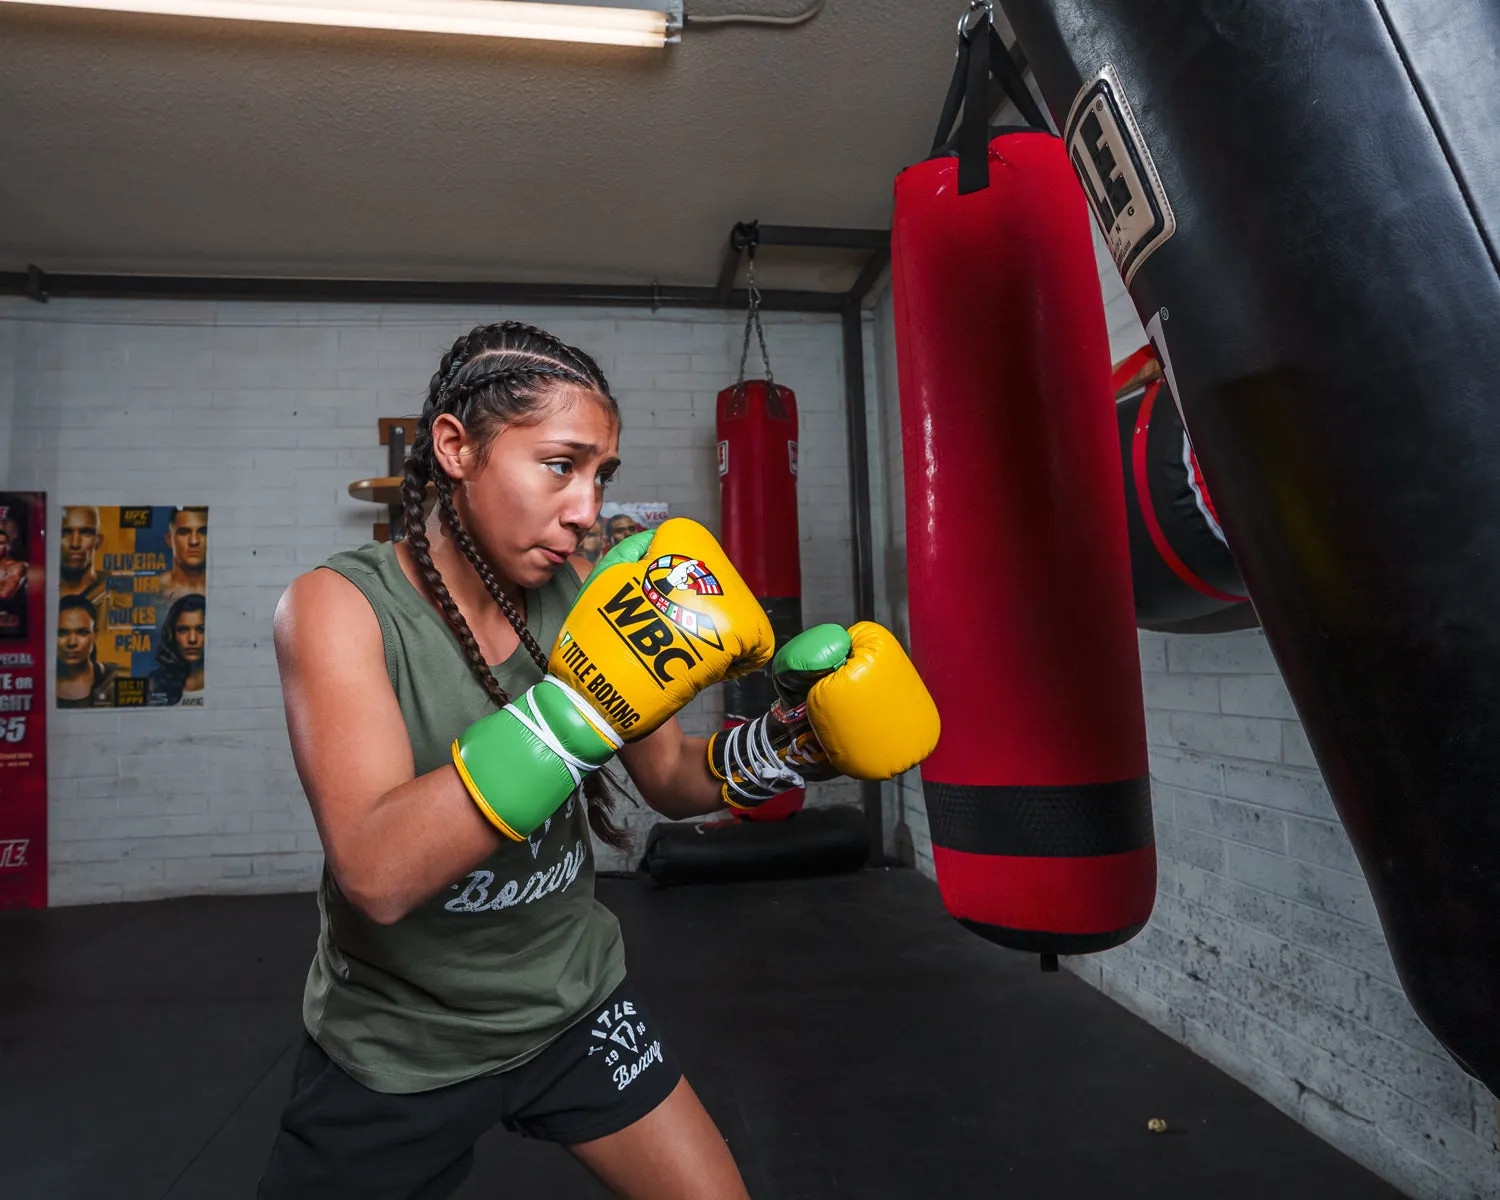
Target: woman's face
[(188, 633), (530, 501), (75, 638)]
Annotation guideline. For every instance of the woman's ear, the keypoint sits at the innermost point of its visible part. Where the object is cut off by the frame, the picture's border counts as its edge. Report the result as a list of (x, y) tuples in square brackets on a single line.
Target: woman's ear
[(452, 447)]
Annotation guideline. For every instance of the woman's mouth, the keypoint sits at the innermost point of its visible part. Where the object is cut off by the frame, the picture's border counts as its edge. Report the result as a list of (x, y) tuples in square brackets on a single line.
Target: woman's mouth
[(555, 557)]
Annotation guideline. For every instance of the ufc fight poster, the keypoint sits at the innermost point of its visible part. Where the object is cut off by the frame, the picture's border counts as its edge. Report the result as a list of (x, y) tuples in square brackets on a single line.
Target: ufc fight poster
[(617, 522), (131, 613), (23, 700)]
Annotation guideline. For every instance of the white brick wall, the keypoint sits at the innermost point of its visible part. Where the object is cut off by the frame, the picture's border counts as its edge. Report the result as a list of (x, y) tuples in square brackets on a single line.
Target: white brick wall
[(7, 394), (266, 413), (1264, 953)]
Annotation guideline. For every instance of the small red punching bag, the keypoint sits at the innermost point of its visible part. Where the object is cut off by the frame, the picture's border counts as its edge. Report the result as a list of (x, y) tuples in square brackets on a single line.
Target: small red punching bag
[(757, 436), (1022, 621)]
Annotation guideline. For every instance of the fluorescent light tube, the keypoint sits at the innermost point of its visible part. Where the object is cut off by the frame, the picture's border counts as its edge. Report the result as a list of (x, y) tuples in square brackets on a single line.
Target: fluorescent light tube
[(483, 18)]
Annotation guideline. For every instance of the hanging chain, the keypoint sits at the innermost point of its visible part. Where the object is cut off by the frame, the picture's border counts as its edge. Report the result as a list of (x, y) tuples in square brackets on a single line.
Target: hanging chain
[(752, 318)]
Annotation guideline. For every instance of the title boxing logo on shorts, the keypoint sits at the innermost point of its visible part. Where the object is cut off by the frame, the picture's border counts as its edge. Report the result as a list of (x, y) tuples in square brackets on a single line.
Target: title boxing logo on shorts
[(13, 853), (617, 1024)]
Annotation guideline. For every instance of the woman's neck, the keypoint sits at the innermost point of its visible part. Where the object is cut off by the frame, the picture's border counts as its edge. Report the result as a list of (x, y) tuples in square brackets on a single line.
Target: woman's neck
[(460, 577)]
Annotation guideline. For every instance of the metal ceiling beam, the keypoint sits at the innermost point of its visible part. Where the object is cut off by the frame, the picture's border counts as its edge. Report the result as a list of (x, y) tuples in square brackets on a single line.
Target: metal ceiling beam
[(42, 286)]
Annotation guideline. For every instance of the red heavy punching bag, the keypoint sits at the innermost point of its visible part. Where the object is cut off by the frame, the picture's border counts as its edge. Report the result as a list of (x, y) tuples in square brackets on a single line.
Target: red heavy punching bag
[(1022, 622), (757, 435)]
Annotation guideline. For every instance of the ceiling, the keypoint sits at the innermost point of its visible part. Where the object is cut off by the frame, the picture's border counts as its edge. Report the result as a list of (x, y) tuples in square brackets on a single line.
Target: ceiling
[(144, 144)]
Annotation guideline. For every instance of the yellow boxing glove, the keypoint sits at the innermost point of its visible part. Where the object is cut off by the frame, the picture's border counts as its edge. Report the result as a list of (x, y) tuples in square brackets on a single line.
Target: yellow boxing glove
[(663, 616), (873, 716), (849, 702)]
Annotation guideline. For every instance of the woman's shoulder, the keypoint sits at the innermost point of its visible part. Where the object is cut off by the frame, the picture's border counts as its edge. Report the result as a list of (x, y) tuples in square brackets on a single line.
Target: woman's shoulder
[(325, 607), (373, 558), (572, 580), (345, 577)]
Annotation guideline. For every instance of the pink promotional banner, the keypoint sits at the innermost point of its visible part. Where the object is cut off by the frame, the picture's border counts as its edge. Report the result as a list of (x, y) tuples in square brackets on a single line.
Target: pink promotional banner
[(23, 700)]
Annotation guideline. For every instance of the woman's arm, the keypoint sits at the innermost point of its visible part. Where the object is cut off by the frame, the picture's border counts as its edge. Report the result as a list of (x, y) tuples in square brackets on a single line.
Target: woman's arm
[(391, 839), (670, 770)]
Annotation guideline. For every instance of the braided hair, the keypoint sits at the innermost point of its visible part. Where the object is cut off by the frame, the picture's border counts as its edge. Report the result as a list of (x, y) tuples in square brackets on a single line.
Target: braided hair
[(492, 376)]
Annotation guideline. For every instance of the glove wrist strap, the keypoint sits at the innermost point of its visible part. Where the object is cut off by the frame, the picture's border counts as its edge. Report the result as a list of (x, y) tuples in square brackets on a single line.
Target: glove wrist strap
[(524, 709), (520, 762)]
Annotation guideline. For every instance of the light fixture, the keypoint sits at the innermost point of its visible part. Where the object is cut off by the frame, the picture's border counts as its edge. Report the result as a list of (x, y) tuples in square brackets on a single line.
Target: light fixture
[(484, 18)]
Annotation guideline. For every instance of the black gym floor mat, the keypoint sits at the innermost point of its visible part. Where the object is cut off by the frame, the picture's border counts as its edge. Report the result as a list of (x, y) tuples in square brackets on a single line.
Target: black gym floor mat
[(848, 1037)]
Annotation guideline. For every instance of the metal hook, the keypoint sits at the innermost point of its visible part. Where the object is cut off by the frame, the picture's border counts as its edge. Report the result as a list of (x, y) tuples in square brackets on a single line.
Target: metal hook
[(745, 236), (967, 23)]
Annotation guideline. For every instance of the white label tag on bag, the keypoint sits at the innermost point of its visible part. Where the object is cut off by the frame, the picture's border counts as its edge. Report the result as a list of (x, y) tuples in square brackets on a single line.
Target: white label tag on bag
[(1110, 157)]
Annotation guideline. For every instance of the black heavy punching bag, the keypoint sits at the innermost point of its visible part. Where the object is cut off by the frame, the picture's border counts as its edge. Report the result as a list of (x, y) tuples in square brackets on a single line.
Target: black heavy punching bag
[(1181, 568), (1304, 200)]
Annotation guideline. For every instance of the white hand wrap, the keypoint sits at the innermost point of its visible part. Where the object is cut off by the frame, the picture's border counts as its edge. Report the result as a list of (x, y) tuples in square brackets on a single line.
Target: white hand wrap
[(753, 771)]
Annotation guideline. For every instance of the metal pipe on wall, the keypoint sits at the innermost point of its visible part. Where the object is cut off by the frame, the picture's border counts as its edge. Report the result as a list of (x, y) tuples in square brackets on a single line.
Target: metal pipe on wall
[(862, 545), (43, 286)]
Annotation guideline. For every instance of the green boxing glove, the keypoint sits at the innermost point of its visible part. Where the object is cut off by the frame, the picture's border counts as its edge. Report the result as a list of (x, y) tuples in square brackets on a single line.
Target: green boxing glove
[(522, 763)]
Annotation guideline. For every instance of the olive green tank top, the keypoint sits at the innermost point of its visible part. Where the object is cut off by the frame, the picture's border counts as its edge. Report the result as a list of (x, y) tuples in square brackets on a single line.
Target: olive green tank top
[(483, 975)]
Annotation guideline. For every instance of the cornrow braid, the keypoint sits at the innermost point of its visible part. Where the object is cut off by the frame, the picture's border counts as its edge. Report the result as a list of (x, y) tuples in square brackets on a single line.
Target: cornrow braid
[(492, 585), (489, 376), (455, 394), (412, 490), (572, 354), (452, 362)]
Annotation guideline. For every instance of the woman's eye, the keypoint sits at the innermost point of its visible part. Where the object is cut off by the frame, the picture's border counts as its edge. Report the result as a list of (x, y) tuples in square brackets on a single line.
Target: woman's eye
[(604, 481), (559, 468)]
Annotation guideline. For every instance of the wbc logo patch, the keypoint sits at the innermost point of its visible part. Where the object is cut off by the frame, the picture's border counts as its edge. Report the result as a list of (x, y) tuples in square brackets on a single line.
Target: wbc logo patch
[(671, 575)]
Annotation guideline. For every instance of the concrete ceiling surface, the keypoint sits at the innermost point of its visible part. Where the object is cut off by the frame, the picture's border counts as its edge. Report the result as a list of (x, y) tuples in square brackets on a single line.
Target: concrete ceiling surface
[(146, 144)]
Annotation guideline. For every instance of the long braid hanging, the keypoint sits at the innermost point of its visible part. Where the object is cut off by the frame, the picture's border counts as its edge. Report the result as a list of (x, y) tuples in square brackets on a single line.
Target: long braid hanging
[(599, 788), (492, 585), (416, 536), (420, 468)]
